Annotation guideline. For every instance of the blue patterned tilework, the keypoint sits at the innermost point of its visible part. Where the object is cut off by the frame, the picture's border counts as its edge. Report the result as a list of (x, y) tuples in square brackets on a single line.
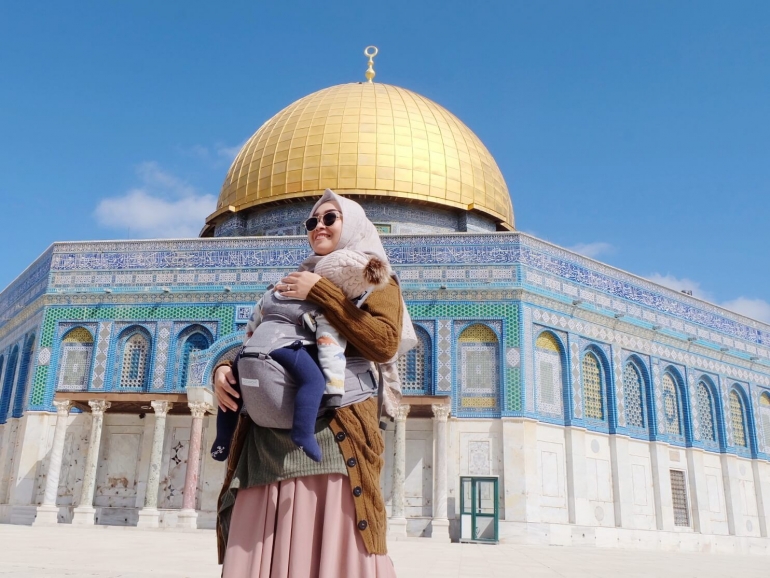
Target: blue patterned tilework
[(566, 272), (617, 370)]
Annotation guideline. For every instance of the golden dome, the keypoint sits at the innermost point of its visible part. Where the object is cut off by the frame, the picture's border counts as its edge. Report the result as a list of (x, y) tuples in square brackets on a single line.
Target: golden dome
[(364, 139)]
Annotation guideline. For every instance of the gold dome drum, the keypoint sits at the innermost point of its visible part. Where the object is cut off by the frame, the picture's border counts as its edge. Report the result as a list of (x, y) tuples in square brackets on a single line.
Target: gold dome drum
[(367, 139)]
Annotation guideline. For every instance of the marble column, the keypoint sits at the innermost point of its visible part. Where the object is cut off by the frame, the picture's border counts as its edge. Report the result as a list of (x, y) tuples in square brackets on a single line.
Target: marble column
[(149, 516), (397, 521), (84, 513), (48, 511), (188, 516), (440, 523)]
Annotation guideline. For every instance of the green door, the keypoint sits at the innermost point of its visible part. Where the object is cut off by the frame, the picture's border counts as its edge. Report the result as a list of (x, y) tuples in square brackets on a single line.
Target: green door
[(479, 513)]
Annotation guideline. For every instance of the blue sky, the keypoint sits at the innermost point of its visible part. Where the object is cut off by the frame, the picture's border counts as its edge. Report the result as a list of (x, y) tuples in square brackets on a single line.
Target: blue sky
[(635, 132)]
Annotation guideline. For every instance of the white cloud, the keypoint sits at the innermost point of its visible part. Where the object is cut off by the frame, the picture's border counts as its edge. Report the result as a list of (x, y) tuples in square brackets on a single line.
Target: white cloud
[(758, 309), (163, 206), (592, 250), (228, 153), (216, 156), (681, 284)]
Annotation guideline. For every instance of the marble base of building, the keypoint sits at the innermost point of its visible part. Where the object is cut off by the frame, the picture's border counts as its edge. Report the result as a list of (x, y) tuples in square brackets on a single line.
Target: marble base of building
[(397, 529), (46, 515), (187, 519), (84, 516), (568, 535), (148, 518), (440, 530)]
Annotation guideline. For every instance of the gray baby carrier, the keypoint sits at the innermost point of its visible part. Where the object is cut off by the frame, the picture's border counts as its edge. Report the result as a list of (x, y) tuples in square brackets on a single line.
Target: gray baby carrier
[(268, 391)]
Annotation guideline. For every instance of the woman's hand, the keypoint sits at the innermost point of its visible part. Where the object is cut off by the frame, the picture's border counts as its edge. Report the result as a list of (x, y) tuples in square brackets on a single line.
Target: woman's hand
[(226, 395), (297, 285)]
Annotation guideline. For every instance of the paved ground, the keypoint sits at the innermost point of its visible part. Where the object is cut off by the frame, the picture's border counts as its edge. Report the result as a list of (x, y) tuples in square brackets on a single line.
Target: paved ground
[(110, 552)]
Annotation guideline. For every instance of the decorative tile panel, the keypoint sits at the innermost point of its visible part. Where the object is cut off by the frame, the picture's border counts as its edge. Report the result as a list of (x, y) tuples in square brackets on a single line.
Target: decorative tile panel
[(617, 371), (101, 354), (161, 354), (444, 355)]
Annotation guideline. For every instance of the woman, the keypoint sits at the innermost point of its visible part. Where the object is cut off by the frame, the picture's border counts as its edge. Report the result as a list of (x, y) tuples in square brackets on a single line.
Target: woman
[(280, 513)]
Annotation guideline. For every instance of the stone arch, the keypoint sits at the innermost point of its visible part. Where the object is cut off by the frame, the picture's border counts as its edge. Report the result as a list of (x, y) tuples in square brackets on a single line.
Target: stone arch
[(226, 347), (74, 359), (707, 404), (414, 368), (740, 417), (550, 373), (24, 376), (764, 419), (674, 403), (635, 392), (8, 380), (596, 380), (134, 359), (190, 339), (478, 360)]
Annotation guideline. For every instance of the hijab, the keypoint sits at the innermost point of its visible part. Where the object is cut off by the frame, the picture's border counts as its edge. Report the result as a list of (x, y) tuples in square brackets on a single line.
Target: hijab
[(359, 234)]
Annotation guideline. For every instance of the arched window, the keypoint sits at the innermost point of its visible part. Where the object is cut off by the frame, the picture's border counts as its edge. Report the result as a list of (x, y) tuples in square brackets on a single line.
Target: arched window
[(414, 367), (671, 404), (75, 360), (706, 413), (479, 367), (593, 395), (549, 373), (764, 418), (10, 377), (24, 375), (633, 395), (136, 361), (194, 342), (738, 420)]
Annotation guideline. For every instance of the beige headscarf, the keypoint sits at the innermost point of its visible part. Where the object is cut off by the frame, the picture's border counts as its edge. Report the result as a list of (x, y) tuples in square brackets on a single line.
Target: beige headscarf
[(359, 234)]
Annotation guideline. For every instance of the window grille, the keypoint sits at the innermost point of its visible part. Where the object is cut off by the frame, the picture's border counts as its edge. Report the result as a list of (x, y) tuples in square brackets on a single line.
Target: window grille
[(10, 376), (195, 342), (738, 420), (548, 374), (632, 392), (414, 366), (135, 357), (679, 498), (764, 416), (24, 377), (671, 406), (479, 367), (592, 387), (706, 413), (75, 360)]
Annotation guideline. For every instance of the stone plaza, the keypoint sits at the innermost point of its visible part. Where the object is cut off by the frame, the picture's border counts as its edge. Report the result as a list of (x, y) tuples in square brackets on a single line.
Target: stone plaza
[(124, 552)]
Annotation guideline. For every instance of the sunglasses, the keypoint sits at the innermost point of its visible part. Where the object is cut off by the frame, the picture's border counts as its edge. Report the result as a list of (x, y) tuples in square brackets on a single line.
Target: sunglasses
[(328, 220)]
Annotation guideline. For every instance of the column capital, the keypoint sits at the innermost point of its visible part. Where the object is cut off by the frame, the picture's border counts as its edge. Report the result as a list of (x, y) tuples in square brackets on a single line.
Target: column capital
[(198, 408), (63, 407), (441, 411), (402, 411), (161, 408), (99, 406)]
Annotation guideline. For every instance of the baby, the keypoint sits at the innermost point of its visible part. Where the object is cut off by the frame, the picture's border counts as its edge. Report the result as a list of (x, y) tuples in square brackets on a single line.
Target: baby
[(317, 367)]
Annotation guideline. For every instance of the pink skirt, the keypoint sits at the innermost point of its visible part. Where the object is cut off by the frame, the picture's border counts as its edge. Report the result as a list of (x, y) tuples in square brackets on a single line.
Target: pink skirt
[(299, 528)]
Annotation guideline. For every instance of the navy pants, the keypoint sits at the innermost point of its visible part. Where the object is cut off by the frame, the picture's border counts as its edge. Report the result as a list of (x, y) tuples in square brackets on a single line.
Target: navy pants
[(301, 363)]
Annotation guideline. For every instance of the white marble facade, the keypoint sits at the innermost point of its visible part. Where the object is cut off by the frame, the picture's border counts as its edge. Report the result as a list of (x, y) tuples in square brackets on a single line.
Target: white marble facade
[(122, 469), (558, 485)]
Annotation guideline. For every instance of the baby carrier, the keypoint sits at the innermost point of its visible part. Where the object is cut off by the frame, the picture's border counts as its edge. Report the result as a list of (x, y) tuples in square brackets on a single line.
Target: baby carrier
[(268, 391)]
